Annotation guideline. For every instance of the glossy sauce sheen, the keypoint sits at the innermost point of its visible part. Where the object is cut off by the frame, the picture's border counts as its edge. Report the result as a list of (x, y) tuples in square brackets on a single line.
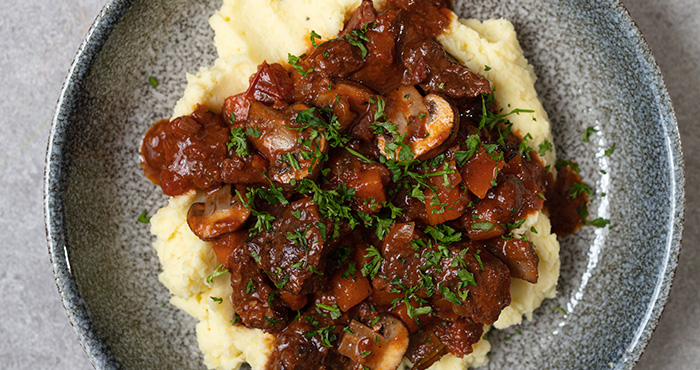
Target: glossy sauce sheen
[(411, 249)]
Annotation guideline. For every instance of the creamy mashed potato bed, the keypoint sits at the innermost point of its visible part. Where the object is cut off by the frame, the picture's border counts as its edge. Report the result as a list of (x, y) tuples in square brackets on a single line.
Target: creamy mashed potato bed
[(242, 43)]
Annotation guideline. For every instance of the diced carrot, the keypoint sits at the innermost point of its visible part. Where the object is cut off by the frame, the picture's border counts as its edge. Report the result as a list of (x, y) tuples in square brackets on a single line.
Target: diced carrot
[(351, 291), (293, 301), (479, 171), (224, 246), (401, 311), (451, 200)]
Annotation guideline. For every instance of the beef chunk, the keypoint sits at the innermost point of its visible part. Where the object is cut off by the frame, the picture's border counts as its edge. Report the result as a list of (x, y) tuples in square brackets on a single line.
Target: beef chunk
[(293, 254), (254, 298)]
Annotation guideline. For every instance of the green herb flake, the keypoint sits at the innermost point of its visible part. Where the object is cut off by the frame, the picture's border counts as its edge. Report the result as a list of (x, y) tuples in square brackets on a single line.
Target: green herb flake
[(314, 36), (610, 151), (484, 226), (560, 310), (217, 299), (143, 218), (250, 288), (599, 222), (487, 68), (334, 310), (217, 272), (152, 80), (587, 134), (295, 62)]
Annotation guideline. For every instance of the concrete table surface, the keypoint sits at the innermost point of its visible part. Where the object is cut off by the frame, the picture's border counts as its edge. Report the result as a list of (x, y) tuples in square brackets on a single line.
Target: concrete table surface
[(38, 40)]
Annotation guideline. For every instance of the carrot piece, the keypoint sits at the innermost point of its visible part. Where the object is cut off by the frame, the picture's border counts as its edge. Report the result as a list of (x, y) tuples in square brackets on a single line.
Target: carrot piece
[(479, 171), (224, 246), (293, 301), (349, 291)]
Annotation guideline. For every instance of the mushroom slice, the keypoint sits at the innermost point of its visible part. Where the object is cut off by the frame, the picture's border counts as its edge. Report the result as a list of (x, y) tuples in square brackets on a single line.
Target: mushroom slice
[(222, 212), (381, 347), (426, 134)]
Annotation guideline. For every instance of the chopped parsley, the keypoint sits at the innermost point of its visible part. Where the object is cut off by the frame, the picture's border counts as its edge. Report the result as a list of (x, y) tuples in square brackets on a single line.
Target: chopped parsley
[(610, 151), (314, 36), (334, 310), (371, 268), (587, 134), (217, 299), (484, 226), (239, 141), (152, 80), (217, 272), (295, 62), (143, 218), (358, 38)]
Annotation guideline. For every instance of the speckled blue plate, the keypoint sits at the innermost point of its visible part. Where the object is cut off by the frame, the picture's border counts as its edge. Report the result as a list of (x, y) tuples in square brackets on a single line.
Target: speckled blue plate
[(594, 69)]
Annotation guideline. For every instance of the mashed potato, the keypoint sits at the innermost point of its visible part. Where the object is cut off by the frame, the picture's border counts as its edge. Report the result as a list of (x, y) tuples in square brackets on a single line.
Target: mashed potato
[(242, 43)]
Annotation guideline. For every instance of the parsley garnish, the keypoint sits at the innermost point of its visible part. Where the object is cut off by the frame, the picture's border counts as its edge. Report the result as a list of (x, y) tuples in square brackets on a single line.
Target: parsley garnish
[(545, 147), (295, 61), (473, 142), (577, 189), (152, 80), (239, 142), (587, 134), (610, 151), (313, 38), (570, 164), (217, 272), (326, 335), (371, 268), (143, 218), (334, 310), (217, 299), (250, 287), (599, 222), (359, 37), (487, 68), (485, 226)]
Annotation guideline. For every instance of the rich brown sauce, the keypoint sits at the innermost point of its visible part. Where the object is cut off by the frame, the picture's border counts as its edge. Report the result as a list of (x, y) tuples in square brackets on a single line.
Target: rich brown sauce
[(324, 228)]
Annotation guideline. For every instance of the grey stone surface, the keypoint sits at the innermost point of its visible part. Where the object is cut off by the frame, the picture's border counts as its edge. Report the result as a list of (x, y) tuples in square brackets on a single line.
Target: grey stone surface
[(38, 39)]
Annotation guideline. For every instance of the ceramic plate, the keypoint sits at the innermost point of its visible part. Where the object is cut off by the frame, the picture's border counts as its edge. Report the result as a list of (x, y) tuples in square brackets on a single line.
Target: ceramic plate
[(594, 70)]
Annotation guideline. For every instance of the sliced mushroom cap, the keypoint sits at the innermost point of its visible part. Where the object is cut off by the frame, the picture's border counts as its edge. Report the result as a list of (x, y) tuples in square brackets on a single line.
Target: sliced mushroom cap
[(381, 347), (222, 212), (428, 133)]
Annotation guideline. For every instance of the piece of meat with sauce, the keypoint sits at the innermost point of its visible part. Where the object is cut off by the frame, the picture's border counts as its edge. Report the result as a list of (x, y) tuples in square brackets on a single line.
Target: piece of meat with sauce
[(519, 192), (454, 269), (308, 343), (293, 253), (254, 297), (428, 65), (367, 179), (518, 255)]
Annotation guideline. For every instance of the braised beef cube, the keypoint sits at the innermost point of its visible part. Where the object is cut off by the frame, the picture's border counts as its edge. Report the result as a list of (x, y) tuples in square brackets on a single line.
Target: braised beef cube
[(430, 66), (475, 281), (270, 85), (254, 298), (425, 348), (309, 343), (335, 58), (460, 336), (293, 254), (363, 15), (518, 255)]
